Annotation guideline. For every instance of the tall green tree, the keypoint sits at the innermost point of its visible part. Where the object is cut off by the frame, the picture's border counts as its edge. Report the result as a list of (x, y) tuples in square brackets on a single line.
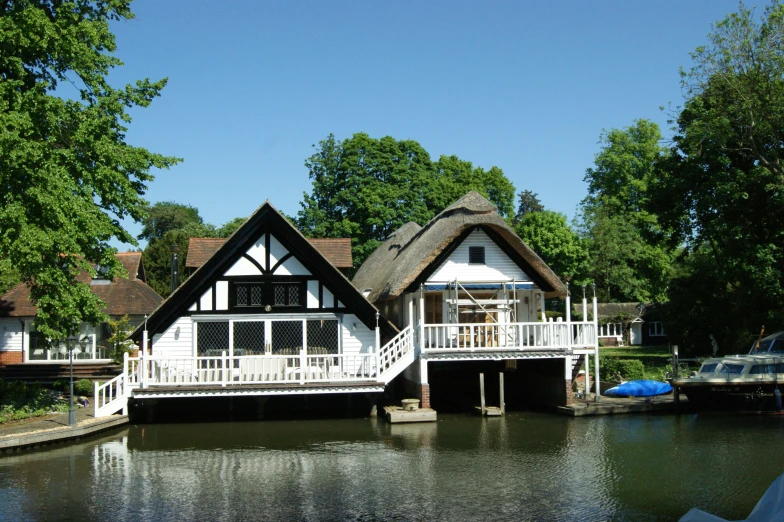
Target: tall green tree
[(548, 233), (165, 216), (630, 253), (721, 190), (365, 188), (68, 175), (527, 202)]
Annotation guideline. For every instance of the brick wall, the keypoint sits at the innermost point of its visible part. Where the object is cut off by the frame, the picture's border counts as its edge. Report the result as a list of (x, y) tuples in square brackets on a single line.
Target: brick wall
[(425, 398), (569, 393), (11, 358)]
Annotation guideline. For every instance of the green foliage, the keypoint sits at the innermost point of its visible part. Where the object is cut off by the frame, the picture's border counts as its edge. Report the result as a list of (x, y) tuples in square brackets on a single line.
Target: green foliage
[(721, 190), (527, 202), (366, 188), (550, 236), (9, 276), (60, 385), (69, 178), (230, 227), (84, 387), (118, 341), (19, 400), (165, 216), (615, 369), (630, 256)]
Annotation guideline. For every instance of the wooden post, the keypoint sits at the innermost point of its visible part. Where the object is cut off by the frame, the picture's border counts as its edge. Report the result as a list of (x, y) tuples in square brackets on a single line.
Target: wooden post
[(482, 391), (676, 393), (501, 387)]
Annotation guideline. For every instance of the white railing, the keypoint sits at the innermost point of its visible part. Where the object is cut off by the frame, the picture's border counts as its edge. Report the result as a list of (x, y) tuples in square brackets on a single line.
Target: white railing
[(510, 336), (394, 350), (112, 396), (225, 370)]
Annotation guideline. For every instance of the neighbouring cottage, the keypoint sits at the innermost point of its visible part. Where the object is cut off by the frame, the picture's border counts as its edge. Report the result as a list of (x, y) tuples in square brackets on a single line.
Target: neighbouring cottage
[(633, 324), (21, 343), (476, 294)]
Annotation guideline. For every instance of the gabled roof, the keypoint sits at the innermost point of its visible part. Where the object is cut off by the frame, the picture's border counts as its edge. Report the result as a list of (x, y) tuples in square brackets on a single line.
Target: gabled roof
[(123, 296), (336, 250), (629, 311), (409, 252), (265, 219)]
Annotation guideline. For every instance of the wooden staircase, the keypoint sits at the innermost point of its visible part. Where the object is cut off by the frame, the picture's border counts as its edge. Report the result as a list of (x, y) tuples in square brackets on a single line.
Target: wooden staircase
[(50, 372)]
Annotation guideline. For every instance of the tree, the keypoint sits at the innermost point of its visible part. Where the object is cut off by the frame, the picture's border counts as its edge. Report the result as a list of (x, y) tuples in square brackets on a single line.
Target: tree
[(366, 188), (68, 175), (550, 236), (630, 253), (528, 202), (721, 190), (165, 216), (158, 260), (230, 227)]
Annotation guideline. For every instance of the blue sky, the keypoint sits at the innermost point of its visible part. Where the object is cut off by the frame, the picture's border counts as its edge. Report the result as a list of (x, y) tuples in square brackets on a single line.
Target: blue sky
[(526, 86)]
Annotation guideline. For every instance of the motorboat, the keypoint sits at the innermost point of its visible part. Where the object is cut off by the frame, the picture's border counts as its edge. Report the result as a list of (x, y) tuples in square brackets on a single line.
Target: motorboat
[(748, 382)]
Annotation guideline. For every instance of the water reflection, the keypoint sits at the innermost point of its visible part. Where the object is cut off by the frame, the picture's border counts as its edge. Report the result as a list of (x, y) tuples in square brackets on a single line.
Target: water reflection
[(521, 466)]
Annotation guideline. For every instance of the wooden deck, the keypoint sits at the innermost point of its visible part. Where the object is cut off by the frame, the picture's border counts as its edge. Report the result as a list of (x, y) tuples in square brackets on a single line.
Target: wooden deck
[(617, 406), (235, 390)]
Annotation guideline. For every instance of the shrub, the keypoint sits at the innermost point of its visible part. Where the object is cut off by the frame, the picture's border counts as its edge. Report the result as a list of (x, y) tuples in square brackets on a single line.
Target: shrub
[(616, 369), (60, 385), (84, 387), (119, 344), (19, 400)]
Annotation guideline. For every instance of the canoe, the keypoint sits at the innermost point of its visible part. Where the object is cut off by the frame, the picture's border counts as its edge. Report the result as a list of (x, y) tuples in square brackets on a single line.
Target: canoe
[(642, 388)]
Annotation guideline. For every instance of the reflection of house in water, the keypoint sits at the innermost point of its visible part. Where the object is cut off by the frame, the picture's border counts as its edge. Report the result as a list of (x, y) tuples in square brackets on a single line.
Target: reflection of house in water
[(268, 315)]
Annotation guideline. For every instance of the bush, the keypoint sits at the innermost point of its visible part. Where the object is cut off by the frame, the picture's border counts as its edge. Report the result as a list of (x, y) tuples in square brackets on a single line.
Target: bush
[(60, 385), (616, 369), (84, 387), (19, 400)]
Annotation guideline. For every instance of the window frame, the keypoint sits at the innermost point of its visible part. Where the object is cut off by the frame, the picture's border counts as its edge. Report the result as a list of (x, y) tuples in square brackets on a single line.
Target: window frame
[(475, 252)]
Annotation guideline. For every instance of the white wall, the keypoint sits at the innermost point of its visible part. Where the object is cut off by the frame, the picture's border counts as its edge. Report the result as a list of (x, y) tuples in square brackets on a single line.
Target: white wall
[(174, 343), (10, 335), (497, 267), (359, 340)]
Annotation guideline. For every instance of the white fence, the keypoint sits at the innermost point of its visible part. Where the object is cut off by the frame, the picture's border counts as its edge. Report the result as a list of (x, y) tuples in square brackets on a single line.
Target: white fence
[(511, 336)]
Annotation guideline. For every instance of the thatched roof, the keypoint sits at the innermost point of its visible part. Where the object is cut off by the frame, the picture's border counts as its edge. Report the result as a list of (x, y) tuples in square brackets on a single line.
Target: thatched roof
[(630, 311), (408, 252)]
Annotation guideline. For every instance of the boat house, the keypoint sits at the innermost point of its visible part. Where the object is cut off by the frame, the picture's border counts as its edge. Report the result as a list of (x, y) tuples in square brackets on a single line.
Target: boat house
[(475, 294), (267, 313)]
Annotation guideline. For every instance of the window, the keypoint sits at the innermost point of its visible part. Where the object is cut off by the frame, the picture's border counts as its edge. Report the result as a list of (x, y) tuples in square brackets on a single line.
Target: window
[(248, 294), (476, 255), (212, 338), (288, 294), (656, 329)]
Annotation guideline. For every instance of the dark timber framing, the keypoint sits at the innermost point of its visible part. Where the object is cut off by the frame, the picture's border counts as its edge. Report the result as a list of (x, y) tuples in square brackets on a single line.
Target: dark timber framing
[(265, 222)]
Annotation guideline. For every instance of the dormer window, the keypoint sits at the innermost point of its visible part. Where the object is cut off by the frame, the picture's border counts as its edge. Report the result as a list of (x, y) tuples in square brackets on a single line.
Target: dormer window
[(100, 276), (476, 255)]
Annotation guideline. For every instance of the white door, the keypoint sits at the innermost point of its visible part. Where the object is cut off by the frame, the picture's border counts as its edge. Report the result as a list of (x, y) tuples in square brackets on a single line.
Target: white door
[(635, 334)]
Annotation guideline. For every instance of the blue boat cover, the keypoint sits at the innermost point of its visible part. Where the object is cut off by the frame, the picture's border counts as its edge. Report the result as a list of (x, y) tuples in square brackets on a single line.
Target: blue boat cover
[(643, 388)]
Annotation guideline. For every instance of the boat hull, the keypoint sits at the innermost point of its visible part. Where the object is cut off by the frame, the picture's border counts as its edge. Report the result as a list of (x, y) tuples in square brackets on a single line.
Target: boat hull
[(730, 396)]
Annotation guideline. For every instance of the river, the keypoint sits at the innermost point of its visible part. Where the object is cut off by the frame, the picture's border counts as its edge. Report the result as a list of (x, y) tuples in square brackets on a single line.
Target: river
[(525, 466)]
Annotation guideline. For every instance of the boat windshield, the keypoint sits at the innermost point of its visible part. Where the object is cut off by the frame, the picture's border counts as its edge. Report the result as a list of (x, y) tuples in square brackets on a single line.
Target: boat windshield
[(708, 367), (770, 344), (731, 368)]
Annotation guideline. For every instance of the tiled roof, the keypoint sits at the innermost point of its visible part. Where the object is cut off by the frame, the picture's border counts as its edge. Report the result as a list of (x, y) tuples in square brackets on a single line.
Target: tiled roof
[(129, 296), (336, 250)]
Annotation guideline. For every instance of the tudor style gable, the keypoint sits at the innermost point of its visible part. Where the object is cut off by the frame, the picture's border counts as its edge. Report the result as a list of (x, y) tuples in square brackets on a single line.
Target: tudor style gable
[(268, 278), (266, 267)]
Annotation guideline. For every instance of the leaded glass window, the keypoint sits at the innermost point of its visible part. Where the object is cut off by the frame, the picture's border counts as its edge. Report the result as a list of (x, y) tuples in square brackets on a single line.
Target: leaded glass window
[(212, 338)]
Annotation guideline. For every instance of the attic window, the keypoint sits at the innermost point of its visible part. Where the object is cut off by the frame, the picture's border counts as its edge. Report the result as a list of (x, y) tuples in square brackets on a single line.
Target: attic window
[(476, 255), (100, 276)]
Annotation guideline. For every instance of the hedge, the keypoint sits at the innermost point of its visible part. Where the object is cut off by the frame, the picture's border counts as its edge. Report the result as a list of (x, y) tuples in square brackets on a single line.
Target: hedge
[(616, 369)]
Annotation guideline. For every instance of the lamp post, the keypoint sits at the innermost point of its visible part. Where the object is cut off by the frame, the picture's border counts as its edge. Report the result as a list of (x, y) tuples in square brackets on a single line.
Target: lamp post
[(175, 251), (70, 344)]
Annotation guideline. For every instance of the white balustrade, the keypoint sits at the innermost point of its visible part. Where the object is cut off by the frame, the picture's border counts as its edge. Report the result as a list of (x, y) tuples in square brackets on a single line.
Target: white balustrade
[(507, 337)]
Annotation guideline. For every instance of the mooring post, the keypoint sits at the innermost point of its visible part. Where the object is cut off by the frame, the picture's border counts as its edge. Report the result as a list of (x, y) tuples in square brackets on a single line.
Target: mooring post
[(501, 387), (482, 391), (675, 391)]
